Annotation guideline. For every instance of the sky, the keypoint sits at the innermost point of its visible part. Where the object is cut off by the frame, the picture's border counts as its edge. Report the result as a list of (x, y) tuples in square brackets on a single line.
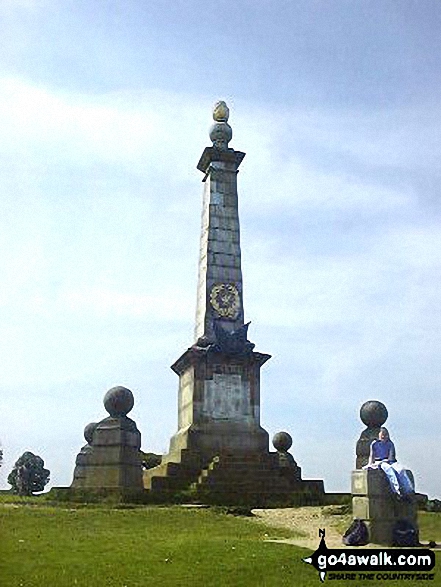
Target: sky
[(105, 108)]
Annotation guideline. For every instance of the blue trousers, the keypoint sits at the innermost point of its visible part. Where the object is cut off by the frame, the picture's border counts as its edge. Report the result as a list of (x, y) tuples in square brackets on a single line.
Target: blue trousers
[(398, 478)]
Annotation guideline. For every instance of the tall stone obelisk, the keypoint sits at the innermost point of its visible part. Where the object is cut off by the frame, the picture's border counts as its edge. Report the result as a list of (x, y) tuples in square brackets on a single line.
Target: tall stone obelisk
[(220, 450), (219, 376)]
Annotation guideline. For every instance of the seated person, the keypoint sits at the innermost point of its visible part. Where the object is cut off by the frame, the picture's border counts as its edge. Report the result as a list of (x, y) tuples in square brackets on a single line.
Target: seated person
[(382, 455)]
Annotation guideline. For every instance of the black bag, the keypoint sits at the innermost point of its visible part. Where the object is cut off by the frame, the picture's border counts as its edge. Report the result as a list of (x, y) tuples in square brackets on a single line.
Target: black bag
[(404, 533), (357, 534)]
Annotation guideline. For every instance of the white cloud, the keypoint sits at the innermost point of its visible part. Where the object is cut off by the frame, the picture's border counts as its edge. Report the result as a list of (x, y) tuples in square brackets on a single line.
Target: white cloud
[(142, 131)]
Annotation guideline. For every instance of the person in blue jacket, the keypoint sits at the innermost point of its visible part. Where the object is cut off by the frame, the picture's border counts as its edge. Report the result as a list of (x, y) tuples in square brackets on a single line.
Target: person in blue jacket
[(382, 455)]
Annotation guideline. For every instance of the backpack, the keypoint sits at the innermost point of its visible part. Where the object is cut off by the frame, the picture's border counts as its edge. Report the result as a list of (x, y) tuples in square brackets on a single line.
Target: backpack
[(404, 533), (357, 534)]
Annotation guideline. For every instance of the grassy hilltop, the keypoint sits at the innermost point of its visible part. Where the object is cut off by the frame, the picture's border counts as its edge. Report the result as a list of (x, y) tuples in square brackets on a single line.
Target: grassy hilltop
[(85, 546)]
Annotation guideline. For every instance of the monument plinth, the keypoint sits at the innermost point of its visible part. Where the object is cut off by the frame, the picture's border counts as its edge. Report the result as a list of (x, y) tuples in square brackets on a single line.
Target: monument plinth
[(111, 459), (219, 403)]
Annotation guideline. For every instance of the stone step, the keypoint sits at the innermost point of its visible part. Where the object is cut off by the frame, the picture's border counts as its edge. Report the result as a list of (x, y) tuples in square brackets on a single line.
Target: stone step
[(177, 476), (250, 498), (244, 473), (230, 475), (226, 478), (169, 483), (267, 458), (243, 483), (233, 478), (189, 458), (238, 470)]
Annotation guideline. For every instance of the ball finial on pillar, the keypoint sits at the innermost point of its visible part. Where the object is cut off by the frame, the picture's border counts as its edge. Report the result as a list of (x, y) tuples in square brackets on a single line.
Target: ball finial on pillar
[(88, 432), (373, 414), (282, 441), (118, 401)]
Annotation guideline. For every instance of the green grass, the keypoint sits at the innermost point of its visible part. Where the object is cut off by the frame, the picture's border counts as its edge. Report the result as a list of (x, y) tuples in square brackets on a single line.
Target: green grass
[(89, 546), (430, 526), (137, 547)]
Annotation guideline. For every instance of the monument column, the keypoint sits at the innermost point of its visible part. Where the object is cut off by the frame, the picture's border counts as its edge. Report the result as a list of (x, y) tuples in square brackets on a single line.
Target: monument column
[(219, 376), (220, 275)]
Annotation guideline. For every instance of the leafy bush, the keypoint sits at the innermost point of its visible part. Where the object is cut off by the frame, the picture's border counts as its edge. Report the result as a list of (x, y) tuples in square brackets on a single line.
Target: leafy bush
[(433, 505), (28, 475), (150, 460)]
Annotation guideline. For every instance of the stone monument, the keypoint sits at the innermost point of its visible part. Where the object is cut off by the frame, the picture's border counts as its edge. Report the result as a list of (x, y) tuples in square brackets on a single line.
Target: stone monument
[(372, 499), (219, 375), (111, 459)]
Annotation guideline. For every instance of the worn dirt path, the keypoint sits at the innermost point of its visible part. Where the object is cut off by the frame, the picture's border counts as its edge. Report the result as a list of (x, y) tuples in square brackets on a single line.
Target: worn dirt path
[(307, 521)]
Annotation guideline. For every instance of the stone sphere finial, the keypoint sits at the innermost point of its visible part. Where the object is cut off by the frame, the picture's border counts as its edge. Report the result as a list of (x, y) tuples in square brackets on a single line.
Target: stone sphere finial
[(373, 413), (221, 132), (282, 441), (118, 401), (88, 432)]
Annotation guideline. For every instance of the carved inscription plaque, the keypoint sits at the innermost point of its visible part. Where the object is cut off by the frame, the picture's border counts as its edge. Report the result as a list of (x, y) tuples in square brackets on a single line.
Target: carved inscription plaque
[(227, 397)]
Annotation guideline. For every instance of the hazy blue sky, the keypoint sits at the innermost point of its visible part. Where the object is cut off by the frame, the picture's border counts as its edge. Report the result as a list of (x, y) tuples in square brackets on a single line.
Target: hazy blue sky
[(104, 111)]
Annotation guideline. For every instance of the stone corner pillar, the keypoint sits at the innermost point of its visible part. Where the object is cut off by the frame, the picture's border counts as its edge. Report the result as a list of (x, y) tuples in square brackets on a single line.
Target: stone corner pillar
[(111, 459), (375, 504)]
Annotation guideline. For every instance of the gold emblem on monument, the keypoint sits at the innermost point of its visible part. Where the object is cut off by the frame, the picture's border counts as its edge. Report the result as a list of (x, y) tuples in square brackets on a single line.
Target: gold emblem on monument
[(225, 300)]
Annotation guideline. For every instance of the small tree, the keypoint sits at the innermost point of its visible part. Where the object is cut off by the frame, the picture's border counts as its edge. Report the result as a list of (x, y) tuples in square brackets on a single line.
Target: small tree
[(1, 457), (28, 475)]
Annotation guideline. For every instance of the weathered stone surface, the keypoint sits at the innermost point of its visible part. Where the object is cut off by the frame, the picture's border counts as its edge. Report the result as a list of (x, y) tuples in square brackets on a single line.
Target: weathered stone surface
[(112, 459), (282, 441), (373, 414), (364, 445), (380, 531), (374, 503), (89, 431), (118, 401), (365, 507), (220, 255), (219, 403), (120, 431), (369, 482)]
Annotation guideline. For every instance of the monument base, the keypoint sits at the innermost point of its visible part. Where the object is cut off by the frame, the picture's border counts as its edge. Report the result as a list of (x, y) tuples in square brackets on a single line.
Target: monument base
[(211, 439), (219, 403), (113, 460), (375, 504), (220, 453), (248, 479)]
